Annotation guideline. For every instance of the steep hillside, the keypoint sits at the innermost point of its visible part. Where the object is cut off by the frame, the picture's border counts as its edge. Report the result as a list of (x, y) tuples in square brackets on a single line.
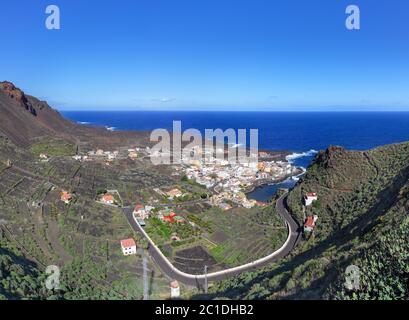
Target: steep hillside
[(19, 277), (24, 117), (362, 220), (25, 120)]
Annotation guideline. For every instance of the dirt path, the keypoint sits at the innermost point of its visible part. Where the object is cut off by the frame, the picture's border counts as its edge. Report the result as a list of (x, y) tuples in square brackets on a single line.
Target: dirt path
[(44, 246), (53, 233)]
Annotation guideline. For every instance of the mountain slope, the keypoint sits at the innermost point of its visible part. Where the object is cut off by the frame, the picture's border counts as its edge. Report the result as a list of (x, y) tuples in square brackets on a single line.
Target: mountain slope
[(25, 119), (362, 209)]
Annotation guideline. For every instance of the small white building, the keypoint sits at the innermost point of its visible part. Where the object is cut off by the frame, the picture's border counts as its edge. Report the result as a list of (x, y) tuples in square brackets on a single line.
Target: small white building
[(174, 289), (142, 212), (128, 246), (310, 198)]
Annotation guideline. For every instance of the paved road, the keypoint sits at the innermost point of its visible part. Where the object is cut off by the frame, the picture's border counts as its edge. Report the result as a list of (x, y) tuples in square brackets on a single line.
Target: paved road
[(199, 280)]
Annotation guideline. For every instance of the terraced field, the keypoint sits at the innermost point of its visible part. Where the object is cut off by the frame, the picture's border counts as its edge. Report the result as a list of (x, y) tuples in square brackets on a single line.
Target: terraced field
[(193, 260), (83, 235)]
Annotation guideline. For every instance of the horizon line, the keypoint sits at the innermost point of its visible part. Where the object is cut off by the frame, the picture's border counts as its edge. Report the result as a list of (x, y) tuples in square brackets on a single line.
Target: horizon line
[(233, 111)]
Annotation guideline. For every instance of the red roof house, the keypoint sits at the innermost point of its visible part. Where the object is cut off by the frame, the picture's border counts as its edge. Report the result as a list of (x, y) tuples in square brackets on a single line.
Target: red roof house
[(310, 223), (66, 197), (108, 198), (128, 246), (169, 217)]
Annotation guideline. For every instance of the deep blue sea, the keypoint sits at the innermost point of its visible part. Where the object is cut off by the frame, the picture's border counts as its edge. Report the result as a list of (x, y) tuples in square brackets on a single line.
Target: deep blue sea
[(298, 132)]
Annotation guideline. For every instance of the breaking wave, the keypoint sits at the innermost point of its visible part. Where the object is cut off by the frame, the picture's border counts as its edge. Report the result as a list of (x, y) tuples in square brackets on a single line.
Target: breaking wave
[(297, 177), (294, 156), (111, 128)]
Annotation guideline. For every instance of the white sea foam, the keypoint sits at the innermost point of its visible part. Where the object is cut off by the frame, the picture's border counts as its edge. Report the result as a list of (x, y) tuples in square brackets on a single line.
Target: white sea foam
[(111, 128), (84, 122), (294, 156), (298, 176)]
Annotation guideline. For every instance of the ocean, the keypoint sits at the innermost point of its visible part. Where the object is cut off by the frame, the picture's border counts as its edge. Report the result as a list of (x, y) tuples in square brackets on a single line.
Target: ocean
[(302, 133)]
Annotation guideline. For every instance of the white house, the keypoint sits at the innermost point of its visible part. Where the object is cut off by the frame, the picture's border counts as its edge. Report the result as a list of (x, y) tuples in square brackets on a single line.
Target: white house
[(142, 212), (174, 289), (128, 246), (310, 198), (174, 193)]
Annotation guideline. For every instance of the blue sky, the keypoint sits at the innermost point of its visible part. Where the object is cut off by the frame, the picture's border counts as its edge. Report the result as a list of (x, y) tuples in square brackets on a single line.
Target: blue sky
[(209, 54)]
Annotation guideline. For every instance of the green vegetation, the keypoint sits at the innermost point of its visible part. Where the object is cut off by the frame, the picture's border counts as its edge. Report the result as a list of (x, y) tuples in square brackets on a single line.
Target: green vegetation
[(162, 231), (362, 221), (19, 277), (53, 148), (384, 269), (200, 222)]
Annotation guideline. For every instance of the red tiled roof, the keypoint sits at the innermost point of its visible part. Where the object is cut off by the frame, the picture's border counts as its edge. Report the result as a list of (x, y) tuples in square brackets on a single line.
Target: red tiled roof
[(138, 207), (65, 196), (108, 197), (311, 194), (168, 219), (128, 243), (309, 222)]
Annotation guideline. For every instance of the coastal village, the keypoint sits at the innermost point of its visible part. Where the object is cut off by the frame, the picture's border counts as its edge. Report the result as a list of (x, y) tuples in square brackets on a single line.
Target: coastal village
[(227, 183), (231, 182), (187, 217), (164, 214)]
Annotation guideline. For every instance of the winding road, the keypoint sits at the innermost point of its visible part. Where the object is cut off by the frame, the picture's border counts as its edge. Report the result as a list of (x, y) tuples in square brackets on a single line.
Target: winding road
[(199, 280)]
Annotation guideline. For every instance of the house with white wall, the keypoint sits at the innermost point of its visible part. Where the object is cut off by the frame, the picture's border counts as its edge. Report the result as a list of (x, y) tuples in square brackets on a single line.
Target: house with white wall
[(128, 246)]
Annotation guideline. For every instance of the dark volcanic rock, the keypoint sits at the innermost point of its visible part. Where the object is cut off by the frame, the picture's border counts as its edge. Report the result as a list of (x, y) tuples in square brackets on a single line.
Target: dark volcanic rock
[(16, 94), (327, 157)]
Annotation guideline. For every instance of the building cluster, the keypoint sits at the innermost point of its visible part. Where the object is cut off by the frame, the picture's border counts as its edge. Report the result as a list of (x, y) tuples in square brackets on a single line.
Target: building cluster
[(107, 156), (165, 214), (231, 180), (224, 200), (98, 155)]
